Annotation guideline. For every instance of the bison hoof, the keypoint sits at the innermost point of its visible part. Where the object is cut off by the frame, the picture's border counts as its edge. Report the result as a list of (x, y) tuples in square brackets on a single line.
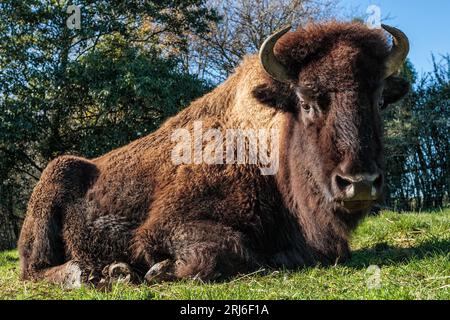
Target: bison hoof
[(118, 272), (160, 272)]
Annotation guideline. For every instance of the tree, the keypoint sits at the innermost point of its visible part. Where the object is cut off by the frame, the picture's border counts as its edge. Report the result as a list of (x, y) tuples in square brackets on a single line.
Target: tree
[(243, 27), (418, 142), (124, 94), (84, 91)]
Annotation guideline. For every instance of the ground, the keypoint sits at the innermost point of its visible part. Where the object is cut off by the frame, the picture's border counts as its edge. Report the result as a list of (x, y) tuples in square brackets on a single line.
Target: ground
[(409, 254)]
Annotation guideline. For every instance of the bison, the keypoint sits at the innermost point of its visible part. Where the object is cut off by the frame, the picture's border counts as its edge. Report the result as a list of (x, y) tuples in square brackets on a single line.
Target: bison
[(321, 87)]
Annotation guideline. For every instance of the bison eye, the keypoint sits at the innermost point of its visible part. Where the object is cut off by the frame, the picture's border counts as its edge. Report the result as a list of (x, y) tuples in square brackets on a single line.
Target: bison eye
[(306, 106)]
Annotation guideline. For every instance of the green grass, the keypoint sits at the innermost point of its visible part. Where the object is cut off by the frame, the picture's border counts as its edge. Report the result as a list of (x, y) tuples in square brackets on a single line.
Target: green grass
[(411, 250)]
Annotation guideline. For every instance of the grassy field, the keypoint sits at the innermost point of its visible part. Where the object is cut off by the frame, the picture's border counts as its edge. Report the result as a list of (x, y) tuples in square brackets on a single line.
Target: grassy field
[(412, 252)]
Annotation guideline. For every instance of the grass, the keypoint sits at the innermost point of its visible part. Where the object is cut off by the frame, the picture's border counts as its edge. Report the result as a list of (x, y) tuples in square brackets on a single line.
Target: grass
[(412, 252)]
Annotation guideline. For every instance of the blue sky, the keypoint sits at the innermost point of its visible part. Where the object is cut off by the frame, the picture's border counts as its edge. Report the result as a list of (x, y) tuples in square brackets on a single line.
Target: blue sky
[(426, 22)]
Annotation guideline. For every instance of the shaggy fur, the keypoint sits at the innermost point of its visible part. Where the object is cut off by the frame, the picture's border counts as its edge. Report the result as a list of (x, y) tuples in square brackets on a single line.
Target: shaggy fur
[(211, 221)]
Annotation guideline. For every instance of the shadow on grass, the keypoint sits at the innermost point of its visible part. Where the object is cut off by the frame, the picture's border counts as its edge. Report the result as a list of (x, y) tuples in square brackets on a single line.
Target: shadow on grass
[(384, 254)]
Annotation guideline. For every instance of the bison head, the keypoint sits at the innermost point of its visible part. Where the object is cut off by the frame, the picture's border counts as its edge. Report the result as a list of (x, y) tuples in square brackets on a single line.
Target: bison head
[(333, 80)]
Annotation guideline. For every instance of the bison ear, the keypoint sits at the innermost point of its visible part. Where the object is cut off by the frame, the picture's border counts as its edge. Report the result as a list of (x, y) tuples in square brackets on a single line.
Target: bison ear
[(395, 88), (276, 95), (266, 93)]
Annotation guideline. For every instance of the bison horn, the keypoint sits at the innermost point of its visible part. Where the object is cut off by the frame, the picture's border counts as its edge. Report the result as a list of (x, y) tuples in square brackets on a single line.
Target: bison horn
[(399, 52), (270, 64)]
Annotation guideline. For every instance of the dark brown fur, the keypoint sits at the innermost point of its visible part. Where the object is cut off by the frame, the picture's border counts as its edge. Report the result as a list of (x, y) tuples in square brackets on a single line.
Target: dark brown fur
[(212, 221)]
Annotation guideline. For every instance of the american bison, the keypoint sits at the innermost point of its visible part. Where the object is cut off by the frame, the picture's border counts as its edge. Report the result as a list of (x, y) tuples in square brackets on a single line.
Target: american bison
[(321, 87)]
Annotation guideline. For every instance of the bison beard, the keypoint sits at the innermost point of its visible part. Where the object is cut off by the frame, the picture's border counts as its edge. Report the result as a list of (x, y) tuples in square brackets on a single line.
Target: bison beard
[(169, 222)]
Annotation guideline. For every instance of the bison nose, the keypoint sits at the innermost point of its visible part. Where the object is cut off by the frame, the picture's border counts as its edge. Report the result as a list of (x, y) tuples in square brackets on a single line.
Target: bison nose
[(363, 187)]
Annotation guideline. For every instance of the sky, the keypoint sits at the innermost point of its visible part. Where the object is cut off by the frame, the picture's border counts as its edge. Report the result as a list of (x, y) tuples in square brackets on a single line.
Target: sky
[(425, 22)]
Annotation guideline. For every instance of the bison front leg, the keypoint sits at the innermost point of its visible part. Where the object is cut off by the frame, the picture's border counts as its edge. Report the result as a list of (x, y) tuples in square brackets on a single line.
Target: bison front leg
[(201, 250)]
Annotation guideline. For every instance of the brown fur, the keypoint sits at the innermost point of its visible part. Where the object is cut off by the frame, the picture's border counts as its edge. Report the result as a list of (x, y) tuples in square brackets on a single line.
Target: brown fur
[(211, 221)]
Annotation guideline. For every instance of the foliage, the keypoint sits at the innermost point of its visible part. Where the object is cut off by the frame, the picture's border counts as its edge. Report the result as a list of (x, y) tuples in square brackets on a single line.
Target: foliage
[(85, 91), (412, 251), (418, 142)]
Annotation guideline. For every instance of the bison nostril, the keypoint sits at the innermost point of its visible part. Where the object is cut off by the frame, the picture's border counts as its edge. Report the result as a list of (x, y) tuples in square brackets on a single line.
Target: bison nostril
[(342, 183)]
